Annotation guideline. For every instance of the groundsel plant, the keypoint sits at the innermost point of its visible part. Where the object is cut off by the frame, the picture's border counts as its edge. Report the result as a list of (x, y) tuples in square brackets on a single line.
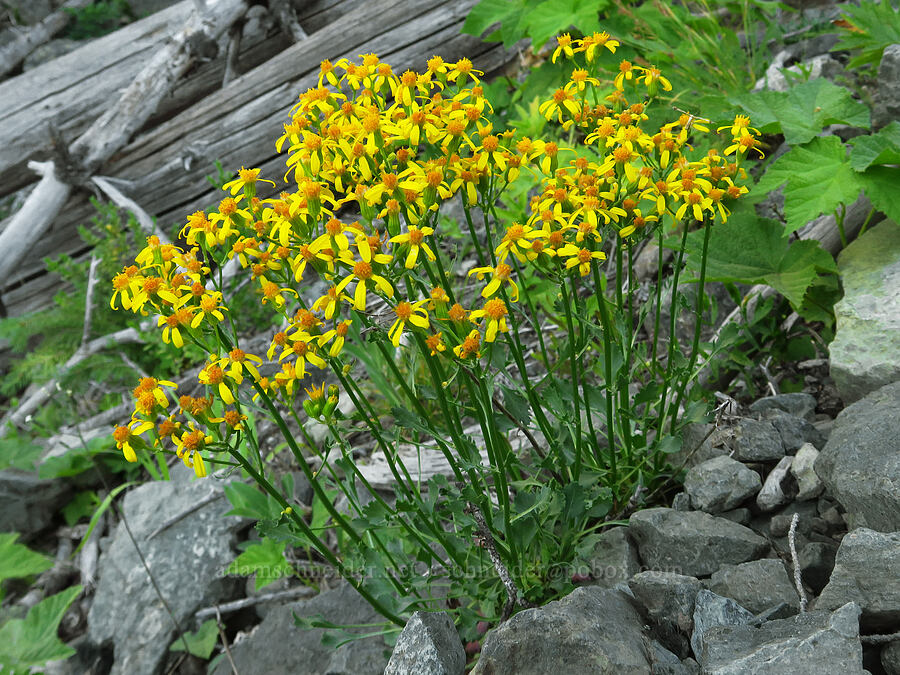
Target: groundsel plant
[(550, 414)]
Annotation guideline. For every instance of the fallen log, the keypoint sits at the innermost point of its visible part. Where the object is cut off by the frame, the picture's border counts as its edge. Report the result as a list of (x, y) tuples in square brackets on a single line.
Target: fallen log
[(70, 91), (31, 37)]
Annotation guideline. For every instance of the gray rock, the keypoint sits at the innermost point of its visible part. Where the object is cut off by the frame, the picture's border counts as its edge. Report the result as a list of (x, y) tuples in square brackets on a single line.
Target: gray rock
[(780, 525), (664, 662), (713, 611), (886, 106), (860, 465), (757, 441), (681, 502), (187, 560), (866, 571), (890, 658), (614, 558), (807, 644), (794, 431), (757, 585), (822, 65), (667, 600), (701, 442), (720, 484), (797, 404), (865, 352), (740, 516), (816, 560), (29, 504), (278, 645), (809, 484), (692, 543), (428, 645), (590, 631), (773, 493)]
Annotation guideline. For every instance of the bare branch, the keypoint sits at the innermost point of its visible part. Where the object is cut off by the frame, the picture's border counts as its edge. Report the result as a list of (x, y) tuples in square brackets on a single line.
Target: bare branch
[(232, 53), (287, 19), (89, 298), (34, 218), (119, 199), (28, 39), (299, 592)]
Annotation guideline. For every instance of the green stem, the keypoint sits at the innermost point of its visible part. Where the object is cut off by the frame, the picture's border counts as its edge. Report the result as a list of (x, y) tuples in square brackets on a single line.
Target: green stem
[(673, 338), (607, 369), (701, 292), (323, 550), (575, 367)]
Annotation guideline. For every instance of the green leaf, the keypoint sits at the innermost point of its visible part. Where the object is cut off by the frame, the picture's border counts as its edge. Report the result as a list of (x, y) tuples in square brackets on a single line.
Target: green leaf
[(264, 559), (880, 148), (200, 643), (756, 250), (801, 112), (105, 504), (17, 560), (81, 506), (19, 453), (516, 404), (410, 420), (32, 641), (881, 184), (488, 12), (818, 178), (872, 27), (556, 16), (248, 502)]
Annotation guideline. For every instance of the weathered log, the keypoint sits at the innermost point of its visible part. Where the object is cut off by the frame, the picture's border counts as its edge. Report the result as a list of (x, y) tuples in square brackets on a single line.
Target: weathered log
[(70, 91), (237, 125), (31, 37), (115, 127)]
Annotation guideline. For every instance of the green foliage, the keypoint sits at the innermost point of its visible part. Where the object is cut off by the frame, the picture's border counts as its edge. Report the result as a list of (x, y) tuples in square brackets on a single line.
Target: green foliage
[(17, 560), (18, 452), (877, 149), (819, 177), (264, 559), (804, 110), (32, 641), (82, 505), (868, 28), (540, 21), (752, 250), (200, 643), (97, 19), (248, 501)]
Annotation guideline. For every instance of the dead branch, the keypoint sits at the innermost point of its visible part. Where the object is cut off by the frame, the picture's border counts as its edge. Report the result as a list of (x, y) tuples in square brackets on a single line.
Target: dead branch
[(291, 593), (43, 394), (32, 220), (30, 38), (112, 130), (89, 298), (232, 53), (120, 200), (287, 19)]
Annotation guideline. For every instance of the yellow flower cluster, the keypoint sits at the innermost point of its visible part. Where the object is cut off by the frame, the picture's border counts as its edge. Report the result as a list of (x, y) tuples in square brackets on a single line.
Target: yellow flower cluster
[(392, 148)]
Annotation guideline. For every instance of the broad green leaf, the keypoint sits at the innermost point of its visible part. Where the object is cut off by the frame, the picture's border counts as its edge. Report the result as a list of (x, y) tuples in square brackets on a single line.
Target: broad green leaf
[(556, 16), (755, 250), (882, 186), (32, 641), (870, 28), (248, 501), (19, 453), (200, 643), (880, 148), (801, 112), (17, 560), (489, 12), (264, 559), (818, 178)]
